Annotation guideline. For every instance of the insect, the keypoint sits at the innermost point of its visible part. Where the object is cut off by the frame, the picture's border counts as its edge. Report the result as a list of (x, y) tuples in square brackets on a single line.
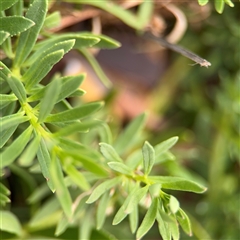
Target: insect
[(198, 60)]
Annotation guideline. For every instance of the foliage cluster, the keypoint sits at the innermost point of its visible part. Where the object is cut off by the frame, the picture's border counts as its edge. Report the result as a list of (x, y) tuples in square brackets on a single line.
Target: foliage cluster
[(43, 133)]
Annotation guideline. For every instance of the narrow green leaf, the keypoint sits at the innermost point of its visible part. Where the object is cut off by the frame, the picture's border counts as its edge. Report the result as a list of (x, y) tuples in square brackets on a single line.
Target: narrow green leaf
[(177, 183), (120, 167), (70, 85), (62, 192), (184, 222), (17, 8), (102, 188), (129, 133), (10, 224), (86, 227), (109, 153), (62, 225), (66, 46), (4, 71), (136, 198), (4, 199), (133, 219), (49, 99), (88, 162), (77, 177), (148, 157), (41, 68), (105, 41), (155, 189), (164, 146), (3, 36), (202, 2), (46, 216), (76, 127), (44, 160), (36, 13), (122, 213), (145, 12), (124, 15), (39, 194), (229, 3), (174, 204), (81, 41), (15, 149), (105, 133), (6, 134), (52, 20), (30, 152), (17, 88), (148, 219), (173, 227), (4, 190), (12, 121), (75, 113), (163, 228), (219, 5), (101, 210), (96, 67), (5, 99), (15, 24), (5, 4)]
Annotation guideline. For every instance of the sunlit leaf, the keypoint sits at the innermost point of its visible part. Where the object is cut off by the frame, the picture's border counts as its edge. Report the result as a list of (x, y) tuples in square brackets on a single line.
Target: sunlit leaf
[(102, 188), (148, 219), (184, 222), (219, 5), (164, 146), (62, 225), (101, 209), (46, 216), (10, 224), (133, 219), (5, 4), (76, 127), (52, 20), (120, 167), (5, 99), (96, 67), (30, 152), (202, 2), (77, 177), (44, 160), (66, 46), (48, 101), (15, 24), (3, 36), (177, 183), (136, 198), (36, 13), (62, 192), (17, 88), (148, 157), (163, 228), (15, 149), (173, 204), (129, 133), (109, 153), (75, 113), (40, 68)]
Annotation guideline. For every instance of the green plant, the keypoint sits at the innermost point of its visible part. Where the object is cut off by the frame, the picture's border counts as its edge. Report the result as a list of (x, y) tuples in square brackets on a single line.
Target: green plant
[(38, 123), (219, 4)]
